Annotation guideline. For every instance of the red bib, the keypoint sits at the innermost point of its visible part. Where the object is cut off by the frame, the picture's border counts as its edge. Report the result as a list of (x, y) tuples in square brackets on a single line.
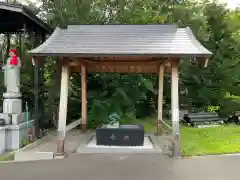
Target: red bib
[(14, 60)]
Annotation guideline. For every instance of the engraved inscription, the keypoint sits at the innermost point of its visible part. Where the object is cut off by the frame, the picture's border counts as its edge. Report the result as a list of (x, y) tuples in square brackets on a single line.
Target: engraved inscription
[(126, 138), (112, 137)]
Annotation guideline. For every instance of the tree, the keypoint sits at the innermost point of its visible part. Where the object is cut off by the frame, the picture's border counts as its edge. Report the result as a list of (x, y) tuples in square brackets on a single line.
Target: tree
[(215, 26)]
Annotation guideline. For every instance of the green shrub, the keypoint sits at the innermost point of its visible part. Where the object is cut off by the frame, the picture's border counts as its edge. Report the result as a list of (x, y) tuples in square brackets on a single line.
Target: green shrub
[(213, 108), (229, 105)]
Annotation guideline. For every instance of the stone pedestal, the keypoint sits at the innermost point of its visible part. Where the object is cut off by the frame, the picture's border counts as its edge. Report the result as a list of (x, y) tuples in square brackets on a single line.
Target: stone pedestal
[(19, 118), (2, 140), (12, 106), (12, 103), (15, 128), (12, 136), (6, 118)]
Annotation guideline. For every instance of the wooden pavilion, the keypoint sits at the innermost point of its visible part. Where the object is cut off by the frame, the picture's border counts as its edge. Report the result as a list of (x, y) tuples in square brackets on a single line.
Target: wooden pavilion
[(151, 49)]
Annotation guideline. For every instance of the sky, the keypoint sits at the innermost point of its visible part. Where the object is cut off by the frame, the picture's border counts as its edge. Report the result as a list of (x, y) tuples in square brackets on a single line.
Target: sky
[(232, 3)]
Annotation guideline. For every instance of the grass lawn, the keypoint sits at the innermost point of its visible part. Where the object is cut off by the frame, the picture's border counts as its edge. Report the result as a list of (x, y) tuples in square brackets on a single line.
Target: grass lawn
[(148, 123), (7, 157), (216, 140), (200, 141)]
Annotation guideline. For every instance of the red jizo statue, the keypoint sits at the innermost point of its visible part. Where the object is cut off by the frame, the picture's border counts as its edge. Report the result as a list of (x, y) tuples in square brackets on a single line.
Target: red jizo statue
[(14, 59), (12, 72)]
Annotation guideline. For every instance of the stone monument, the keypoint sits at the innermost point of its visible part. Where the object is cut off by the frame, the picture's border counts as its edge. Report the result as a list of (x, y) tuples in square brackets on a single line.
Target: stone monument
[(12, 103), (13, 126)]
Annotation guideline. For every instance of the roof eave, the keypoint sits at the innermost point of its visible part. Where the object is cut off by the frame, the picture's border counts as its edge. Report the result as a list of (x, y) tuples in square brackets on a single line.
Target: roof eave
[(33, 17), (35, 54)]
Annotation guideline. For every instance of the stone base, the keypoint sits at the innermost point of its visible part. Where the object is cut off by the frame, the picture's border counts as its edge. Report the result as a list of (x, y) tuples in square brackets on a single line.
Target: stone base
[(60, 156), (146, 145), (13, 136), (151, 145), (12, 106), (6, 118), (12, 95), (2, 140), (19, 118)]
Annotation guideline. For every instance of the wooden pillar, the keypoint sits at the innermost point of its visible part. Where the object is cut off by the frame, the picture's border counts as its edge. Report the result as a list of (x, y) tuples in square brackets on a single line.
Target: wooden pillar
[(160, 99), (175, 108), (62, 118), (84, 97), (20, 46), (41, 87), (38, 83), (36, 97), (36, 63)]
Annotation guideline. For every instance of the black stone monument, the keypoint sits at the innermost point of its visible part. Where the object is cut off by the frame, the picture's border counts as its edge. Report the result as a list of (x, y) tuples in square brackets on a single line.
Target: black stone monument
[(125, 135)]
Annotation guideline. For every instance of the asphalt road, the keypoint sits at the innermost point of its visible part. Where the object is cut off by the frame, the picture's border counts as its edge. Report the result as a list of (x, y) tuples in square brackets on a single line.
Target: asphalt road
[(124, 167)]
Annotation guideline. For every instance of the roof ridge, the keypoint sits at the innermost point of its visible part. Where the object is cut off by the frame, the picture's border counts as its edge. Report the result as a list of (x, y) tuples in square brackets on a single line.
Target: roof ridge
[(122, 25)]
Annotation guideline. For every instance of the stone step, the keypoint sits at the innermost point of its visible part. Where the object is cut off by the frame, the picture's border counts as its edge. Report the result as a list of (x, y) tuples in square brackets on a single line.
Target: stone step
[(206, 119), (199, 116)]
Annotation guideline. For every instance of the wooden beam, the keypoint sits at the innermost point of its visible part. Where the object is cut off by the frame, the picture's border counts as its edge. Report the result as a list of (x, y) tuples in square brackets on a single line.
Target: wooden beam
[(160, 99), (62, 117), (175, 108), (84, 97), (139, 58), (123, 69), (148, 67), (34, 61), (112, 63), (202, 62), (73, 125)]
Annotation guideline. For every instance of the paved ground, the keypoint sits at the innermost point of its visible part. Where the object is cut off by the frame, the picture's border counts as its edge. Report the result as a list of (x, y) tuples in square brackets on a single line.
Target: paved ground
[(124, 167), (208, 168), (48, 143)]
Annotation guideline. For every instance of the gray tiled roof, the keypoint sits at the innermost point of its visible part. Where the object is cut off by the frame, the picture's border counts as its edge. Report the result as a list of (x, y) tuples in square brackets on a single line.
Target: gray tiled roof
[(84, 40)]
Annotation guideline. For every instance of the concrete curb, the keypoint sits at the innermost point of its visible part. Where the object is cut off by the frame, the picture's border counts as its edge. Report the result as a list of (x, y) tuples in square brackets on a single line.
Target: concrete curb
[(24, 155), (210, 155), (33, 156)]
